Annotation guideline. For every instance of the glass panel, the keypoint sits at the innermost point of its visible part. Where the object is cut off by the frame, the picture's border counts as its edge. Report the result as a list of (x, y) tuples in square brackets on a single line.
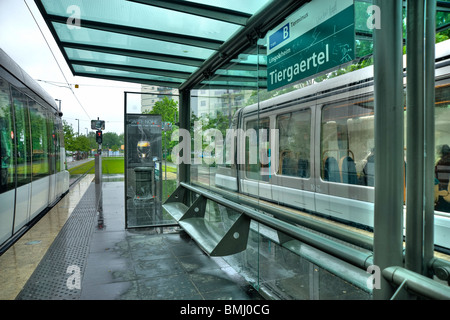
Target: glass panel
[(442, 168), (57, 140), (144, 16), (217, 116), (119, 73), (149, 176), (295, 143), (7, 194), (250, 7), (347, 142), (6, 135), (256, 148), (23, 138), (39, 138), (91, 56), (121, 41)]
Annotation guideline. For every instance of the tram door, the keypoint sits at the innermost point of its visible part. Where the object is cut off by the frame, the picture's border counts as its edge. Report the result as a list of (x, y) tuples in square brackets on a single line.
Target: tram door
[(52, 157), (7, 181), (22, 149)]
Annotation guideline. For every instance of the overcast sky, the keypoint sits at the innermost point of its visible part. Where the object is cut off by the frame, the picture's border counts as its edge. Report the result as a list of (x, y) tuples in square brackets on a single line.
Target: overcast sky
[(22, 40)]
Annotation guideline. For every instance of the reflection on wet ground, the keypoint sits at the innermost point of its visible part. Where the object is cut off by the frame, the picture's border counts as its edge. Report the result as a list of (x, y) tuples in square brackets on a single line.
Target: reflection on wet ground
[(19, 261), (119, 263)]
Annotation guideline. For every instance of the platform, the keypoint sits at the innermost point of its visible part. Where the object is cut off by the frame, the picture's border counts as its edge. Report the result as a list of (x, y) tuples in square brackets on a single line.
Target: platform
[(67, 256)]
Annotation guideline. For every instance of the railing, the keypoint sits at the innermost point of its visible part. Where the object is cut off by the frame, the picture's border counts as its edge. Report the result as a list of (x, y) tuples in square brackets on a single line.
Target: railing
[(416, 284), (225, 242)]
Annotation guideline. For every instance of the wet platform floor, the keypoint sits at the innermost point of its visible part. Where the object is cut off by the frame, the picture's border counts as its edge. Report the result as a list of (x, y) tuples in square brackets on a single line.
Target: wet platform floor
[(81, 261)]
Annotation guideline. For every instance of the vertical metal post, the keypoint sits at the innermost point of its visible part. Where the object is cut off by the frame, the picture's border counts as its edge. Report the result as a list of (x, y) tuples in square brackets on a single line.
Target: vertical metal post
[(388, 83), (414, 134), (185, 114), (99, 187), (430, 39)]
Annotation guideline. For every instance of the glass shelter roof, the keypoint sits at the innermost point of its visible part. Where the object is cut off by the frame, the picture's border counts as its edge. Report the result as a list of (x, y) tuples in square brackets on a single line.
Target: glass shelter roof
[(182, 44), (171, 43)]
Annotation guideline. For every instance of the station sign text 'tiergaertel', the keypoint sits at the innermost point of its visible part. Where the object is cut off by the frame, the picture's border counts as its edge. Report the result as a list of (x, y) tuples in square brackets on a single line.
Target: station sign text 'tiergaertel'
[(316, 38)]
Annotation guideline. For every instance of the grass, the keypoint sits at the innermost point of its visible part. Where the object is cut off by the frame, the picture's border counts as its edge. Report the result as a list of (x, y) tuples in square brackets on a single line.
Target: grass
[(109, 166), (83, 168), (113, 165)]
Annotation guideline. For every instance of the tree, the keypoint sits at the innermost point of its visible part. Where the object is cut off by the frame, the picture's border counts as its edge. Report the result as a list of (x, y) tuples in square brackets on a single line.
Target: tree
[(82, 144), (109, 140), (69, 137), (168, 109)]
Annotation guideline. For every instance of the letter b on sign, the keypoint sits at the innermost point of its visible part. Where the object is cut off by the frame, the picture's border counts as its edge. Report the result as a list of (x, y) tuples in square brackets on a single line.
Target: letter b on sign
[(285, 32)]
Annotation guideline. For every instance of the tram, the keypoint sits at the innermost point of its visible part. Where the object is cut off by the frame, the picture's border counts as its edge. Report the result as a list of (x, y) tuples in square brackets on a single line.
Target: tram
[(326, 141), (33, 175)]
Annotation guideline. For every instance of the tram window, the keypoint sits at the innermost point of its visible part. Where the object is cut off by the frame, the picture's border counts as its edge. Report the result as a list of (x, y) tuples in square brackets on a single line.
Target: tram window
[(22, 137), (57, 143), (39, 138), (294, 146), (51, 143), (6, 139), (347, 142), (256, 161), (442, 143)]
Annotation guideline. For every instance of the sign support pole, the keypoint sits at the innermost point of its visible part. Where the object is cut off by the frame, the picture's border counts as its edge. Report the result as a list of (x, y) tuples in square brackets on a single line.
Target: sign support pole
[(389, 160)]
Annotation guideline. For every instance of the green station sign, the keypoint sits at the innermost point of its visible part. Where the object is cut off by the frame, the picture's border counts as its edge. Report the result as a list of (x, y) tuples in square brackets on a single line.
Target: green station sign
[(318, 37)]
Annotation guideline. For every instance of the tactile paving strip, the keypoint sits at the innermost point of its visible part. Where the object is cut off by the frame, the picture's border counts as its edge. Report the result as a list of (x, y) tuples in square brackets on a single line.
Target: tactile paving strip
[(58, 275)]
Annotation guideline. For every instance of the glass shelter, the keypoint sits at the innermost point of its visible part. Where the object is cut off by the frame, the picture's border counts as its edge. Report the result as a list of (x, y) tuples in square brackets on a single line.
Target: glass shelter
[(311, 139)]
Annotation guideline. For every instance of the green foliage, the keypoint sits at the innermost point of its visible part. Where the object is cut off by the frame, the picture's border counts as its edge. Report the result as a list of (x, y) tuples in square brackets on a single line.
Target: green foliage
[(168, 109), (443, 35), (69, 137), (111, 140), (74, 142), (81, 143)]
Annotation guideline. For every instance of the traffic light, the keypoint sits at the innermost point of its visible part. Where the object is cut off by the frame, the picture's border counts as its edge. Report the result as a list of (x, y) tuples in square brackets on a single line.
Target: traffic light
[(98, 136)]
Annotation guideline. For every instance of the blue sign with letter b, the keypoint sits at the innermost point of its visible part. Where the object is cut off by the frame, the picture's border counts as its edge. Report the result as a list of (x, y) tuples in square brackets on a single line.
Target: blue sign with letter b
[(278, 37)]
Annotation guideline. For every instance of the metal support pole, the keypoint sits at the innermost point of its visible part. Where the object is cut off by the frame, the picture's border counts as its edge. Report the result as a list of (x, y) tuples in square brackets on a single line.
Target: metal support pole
[(430, 39), (388, 83), (185, 114), (414, 134), (99, 187)]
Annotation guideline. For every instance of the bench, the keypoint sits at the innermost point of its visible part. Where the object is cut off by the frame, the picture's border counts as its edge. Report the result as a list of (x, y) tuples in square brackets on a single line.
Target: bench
[(213, 237)]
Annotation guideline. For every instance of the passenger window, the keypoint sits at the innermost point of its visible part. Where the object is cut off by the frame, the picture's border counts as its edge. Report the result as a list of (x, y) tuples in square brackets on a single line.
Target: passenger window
[(6, 139), (22, 138), (39, 138), (295, 143), (442, 143), (57, 142), (347, 142), (257, 149)]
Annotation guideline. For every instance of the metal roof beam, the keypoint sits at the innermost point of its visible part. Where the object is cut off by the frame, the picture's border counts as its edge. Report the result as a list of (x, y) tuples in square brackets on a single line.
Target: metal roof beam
[(200, 42), (202, 10), (235, 79), (193, 62), (442, 6), (244, 86), (243, 67), (129, 79), (151, 71)]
